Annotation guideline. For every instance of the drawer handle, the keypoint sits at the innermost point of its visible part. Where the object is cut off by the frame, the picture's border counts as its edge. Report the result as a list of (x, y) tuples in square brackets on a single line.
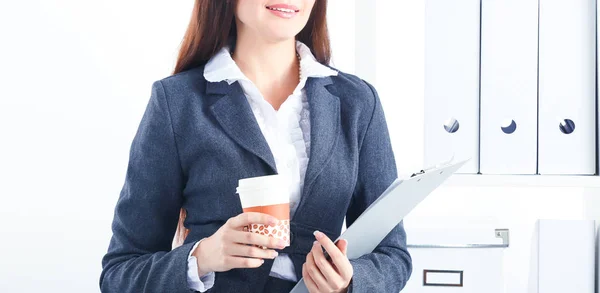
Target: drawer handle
[(442, 278)]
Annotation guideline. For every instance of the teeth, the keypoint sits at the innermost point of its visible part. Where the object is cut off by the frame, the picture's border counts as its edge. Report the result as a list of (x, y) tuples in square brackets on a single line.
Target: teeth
[(282, 9)]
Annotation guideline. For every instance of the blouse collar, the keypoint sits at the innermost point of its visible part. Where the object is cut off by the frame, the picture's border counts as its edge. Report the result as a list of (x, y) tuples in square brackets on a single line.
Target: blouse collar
[(222, 67)]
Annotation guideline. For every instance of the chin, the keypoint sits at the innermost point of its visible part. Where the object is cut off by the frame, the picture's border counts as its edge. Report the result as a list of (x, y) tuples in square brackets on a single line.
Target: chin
[(282, 33), (282, 37)]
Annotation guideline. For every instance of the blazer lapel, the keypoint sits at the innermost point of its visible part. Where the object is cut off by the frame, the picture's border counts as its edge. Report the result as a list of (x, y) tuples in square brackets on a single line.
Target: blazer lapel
[(325, 123), (234, 114)]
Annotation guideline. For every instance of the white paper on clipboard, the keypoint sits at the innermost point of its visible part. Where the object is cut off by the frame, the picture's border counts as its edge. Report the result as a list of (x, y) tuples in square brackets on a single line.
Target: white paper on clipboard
[(401, 197)]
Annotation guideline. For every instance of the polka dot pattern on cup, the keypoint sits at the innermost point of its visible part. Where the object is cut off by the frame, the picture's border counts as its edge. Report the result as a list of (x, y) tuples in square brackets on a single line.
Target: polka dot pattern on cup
[(281, 231)]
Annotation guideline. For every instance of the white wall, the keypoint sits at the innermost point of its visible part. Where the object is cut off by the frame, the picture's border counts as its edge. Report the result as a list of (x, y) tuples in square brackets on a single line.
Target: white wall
[(342, 27), (75, 78)]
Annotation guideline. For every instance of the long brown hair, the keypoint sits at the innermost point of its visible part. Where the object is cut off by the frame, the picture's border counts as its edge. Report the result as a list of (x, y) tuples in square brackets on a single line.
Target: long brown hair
[(213, 22)]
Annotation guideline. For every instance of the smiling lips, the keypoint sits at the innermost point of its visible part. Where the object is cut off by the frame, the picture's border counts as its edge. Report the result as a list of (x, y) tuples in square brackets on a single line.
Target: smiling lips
[(283, 10)]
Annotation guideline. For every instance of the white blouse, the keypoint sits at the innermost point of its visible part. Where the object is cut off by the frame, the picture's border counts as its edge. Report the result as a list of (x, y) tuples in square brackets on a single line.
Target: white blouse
[(287, 132)]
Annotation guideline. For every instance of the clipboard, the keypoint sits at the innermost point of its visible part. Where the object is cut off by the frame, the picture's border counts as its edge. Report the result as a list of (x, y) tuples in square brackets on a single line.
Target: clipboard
[(401, 197)]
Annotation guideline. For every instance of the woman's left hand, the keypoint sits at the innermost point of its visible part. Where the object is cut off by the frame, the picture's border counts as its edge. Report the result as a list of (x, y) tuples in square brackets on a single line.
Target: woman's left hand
[(322, 275)]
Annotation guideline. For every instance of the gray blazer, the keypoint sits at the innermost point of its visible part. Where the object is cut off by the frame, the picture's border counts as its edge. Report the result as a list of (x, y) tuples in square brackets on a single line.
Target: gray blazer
[(198, 138)]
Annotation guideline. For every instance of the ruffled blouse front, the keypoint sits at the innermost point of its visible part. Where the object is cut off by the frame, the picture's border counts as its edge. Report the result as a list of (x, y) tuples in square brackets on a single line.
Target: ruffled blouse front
[(287, 130)]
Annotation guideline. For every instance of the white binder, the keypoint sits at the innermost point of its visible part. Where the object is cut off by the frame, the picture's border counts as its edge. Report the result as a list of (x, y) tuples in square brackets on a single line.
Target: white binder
[(597, 105), (598, 257), (452, 82), (567, 128), (563, 257), (388, 210), (509, 86)]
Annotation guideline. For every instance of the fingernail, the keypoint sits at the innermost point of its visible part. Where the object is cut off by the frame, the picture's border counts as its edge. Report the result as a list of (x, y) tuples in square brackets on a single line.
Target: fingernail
[(275, 254), (274, 222), (318, 234), (316, 242)]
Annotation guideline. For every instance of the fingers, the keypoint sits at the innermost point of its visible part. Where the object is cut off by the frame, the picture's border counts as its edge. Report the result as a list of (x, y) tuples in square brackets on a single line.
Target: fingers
[(339, 259), (336, 255), (245, 219), (342, 245), (330, 274), (308, 281), (250, 251), (316, 274), (242, 262), (255, 239)]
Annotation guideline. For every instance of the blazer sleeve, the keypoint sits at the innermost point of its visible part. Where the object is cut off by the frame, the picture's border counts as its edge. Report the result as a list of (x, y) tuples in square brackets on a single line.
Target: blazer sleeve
[(389, 266), (139, 257)]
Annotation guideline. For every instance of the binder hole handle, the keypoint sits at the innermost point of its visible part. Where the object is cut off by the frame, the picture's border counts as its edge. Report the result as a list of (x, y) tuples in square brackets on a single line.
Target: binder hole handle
[(451, 125), (567, 126), (508, 126)]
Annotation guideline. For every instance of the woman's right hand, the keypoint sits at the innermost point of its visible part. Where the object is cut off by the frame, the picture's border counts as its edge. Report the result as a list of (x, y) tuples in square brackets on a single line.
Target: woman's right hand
[(231, 247)]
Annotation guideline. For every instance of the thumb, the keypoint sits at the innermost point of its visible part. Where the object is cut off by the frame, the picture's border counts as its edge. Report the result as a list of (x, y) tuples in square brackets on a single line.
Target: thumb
[(342, 245)]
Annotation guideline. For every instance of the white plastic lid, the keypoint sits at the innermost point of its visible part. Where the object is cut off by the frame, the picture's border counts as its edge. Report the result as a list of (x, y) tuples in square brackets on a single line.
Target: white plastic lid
[(259, 182), (263, 190)]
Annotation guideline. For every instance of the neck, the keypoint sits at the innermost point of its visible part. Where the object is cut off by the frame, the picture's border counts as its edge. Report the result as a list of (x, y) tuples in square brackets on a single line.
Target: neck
[(266, 63)]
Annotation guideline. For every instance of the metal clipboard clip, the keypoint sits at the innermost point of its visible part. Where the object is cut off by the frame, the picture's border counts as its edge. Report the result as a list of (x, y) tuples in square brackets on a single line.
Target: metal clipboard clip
[(441, 165)]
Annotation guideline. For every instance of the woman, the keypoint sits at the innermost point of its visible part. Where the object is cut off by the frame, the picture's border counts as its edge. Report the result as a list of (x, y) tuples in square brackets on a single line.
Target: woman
[(252, 96)]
